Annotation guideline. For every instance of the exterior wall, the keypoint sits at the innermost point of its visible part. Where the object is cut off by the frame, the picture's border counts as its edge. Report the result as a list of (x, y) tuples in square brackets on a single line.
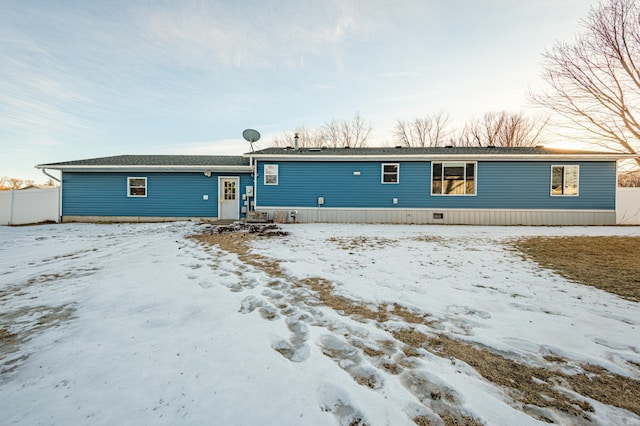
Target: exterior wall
[(628, 206), (499, 185), (29, 206), (448, 216), (173, 195)]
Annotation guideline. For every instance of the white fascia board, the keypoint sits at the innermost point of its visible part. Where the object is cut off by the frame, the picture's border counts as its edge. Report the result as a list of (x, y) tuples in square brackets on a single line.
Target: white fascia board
[(86, 168), (445, 157)]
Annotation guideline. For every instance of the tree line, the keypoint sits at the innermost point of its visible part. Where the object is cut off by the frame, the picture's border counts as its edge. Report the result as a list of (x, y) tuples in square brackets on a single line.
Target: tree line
[(502, 128), (592, 94), (7, 183)]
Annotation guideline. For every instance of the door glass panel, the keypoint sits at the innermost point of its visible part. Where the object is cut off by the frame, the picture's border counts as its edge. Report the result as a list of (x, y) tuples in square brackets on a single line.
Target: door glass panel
[(229, 190)]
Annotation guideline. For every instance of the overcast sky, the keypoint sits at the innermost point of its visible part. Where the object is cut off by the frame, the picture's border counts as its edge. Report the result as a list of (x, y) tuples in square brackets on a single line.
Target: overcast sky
[(83, 79)]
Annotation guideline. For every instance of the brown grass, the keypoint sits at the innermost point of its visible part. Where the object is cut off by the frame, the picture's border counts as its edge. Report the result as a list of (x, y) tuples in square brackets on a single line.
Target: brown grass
[(613, 262), (353, 243), (31, 320), (324, 289), (239, 244), (538, 386), (422, 421), (608, 263)]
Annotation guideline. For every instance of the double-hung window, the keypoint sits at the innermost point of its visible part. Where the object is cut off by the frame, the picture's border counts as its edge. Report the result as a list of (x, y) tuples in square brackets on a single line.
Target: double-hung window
[(136, 187), (564, 180), (390, 172), (270, 174), (453, 178)]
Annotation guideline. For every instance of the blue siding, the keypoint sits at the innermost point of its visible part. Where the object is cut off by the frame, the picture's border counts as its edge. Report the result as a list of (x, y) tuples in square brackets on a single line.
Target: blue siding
[(507, 185), (168, 194)]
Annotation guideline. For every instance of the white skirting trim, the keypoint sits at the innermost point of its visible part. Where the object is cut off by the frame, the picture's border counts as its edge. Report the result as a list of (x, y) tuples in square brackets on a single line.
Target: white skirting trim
[(443, 216)]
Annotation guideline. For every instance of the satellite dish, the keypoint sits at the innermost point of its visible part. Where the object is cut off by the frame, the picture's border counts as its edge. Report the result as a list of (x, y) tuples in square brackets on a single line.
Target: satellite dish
[(251, 136)]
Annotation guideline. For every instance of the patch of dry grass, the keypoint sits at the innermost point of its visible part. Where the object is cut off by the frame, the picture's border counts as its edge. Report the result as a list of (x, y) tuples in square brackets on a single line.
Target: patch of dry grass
[(353, 243), (613, 262), (29, 320), (239, 244), (534, 385), (608, 263), (324, 289)]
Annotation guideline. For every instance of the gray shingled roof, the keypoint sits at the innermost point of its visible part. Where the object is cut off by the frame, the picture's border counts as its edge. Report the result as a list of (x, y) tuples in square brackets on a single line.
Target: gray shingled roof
[(157, 160), (421, 151)]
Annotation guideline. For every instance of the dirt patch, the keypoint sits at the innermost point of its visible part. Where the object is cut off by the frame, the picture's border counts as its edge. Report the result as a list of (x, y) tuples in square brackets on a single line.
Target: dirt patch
[(450, 420), (539, 386), (353, 243), (422, 421), (324, 289), (608, 263), (237, 238), (411, 337), (26, 322)]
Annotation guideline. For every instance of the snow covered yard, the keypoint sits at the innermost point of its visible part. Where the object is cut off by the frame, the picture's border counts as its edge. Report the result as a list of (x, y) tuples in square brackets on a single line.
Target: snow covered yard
[(140, 324)]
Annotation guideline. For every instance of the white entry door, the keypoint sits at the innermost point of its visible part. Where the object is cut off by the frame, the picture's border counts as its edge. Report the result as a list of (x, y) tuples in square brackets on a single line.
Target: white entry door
[(228, 200)]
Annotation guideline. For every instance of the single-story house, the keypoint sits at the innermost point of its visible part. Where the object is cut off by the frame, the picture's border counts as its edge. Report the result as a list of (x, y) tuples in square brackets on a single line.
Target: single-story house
[(449, 185)]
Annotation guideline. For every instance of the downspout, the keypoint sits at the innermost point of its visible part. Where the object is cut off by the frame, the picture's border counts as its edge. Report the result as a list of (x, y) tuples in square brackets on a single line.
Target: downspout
[(51, 176), (44, 170)]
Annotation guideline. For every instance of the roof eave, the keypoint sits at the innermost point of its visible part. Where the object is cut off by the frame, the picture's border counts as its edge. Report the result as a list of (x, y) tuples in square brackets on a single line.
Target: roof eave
[(144, 168), (460, 156)]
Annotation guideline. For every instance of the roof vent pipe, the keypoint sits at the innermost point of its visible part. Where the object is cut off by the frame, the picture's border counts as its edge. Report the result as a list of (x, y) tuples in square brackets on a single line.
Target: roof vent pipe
[(295, 141)]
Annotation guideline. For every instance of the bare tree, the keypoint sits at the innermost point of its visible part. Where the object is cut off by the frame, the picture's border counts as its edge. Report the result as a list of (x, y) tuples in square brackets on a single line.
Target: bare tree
[(14, 183), (502, 129), (307, 138), (431, 130), (352, 133), (594, 82)]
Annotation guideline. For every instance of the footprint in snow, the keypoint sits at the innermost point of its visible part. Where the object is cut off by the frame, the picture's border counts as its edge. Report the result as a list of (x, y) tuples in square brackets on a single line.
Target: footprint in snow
[(205, 284), (250, 303), (348, 358), (292, 352), (336, 401)]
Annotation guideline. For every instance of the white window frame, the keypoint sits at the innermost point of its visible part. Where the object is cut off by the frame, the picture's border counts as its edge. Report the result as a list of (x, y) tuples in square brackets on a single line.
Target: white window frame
[(475, 178), (397, 173), (273, 171), (129, 187), (564, 180)]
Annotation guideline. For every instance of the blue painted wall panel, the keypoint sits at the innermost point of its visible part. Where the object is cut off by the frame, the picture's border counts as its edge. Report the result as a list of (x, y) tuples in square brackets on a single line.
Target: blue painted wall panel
[(508, 185), (168, 194)]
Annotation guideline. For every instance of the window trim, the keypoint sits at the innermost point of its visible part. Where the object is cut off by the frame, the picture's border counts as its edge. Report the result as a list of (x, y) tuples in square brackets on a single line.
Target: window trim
[(129, 187), (564, 175), (276, 174), (397, 173), (475, 179)]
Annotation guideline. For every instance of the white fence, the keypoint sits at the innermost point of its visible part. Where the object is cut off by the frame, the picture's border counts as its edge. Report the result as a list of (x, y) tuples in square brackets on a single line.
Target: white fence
[(628, 206), (29, 206)]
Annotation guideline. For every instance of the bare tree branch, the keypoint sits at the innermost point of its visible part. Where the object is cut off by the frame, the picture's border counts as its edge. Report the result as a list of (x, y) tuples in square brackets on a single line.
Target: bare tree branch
[(503, 129), (594, 82), (352, 133), (431, 130), (307, 138)]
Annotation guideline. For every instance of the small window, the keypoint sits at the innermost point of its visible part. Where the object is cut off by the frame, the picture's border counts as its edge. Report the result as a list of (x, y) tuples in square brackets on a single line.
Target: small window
[(453, 178), (390, 173), (564, 180), (229, 190), (136, 187), (270, 174)]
